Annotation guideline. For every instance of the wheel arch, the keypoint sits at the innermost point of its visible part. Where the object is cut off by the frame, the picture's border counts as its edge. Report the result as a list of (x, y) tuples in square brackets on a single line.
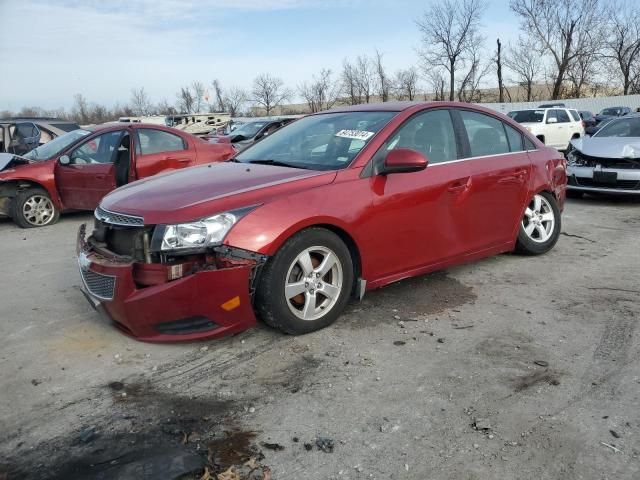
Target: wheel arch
[(9, 189)]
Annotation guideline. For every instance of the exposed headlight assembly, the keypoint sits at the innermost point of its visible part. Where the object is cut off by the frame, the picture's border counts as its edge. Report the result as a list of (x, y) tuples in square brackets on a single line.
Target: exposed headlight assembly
[(572, 158), (198, 235)]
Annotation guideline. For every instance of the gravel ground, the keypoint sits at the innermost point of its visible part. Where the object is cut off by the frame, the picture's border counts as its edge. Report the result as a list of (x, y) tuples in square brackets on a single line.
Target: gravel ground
[(510, 368)]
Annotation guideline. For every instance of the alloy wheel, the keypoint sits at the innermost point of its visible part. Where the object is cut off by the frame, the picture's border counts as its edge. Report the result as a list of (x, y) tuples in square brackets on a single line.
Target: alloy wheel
[(539, 220), (38, 210), (313, 283)]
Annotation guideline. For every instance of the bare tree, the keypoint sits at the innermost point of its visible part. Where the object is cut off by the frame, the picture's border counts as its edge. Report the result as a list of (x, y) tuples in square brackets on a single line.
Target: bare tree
[(350, 86), (80, 108), (406, 84), (269, 92), (450, 30), (582, 73), (469, 85), (498, 61), (164, 108), (321, 93), (233, 101), (383, 82), (622, 44), (140, 101), (524, 61), (438, 83), (198, 96), (218, 96), (186, 100), (364, 77), (565, 29)]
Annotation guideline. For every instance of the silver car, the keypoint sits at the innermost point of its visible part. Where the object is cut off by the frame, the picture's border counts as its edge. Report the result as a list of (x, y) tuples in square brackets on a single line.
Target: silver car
[(607, 162)]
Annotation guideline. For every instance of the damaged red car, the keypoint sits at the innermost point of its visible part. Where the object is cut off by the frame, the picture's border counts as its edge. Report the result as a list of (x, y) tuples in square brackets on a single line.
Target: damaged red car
[(75, 170), (333, 205)]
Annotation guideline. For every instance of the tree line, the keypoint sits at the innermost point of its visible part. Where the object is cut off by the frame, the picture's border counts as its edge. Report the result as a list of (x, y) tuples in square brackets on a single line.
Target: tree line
[(565, 49)]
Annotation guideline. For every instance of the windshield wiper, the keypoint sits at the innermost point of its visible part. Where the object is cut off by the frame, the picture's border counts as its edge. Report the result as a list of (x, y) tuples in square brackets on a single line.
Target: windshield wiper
[(276, 163)]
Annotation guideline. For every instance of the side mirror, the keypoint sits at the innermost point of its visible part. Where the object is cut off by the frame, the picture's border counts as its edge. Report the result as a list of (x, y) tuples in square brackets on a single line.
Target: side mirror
[(552, 120), (404, 160), (64, 160)]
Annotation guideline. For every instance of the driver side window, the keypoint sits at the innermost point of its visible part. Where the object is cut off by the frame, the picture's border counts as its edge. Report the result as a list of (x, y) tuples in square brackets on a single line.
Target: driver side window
[(430, 133), (98, 149)]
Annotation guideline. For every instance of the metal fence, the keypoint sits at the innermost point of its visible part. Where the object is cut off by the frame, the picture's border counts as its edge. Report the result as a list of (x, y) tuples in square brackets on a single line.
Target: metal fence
[(594, 104)]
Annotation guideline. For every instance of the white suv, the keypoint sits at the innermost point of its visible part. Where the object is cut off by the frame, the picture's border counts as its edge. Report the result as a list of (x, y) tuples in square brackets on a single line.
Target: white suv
[(556, 127)]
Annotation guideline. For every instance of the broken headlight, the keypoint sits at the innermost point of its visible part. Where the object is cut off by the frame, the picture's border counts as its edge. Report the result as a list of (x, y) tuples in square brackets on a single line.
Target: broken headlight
[(198, 235)]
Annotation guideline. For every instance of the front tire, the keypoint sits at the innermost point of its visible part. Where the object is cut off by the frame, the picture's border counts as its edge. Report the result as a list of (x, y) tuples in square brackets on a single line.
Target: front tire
[(540, 225), (32, 208), (306, 285)]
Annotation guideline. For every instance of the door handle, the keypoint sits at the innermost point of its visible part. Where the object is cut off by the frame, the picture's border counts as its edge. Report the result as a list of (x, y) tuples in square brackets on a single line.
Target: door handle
[(100, 177)]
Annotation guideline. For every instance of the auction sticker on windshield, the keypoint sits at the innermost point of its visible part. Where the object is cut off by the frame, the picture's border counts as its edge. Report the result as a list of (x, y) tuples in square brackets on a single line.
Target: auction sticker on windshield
[(355, 134)]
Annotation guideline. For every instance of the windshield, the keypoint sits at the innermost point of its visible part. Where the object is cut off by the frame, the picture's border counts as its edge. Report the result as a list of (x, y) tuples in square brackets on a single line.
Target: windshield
[(627, 127), (55, 146), (249, 130), (611, 112), (319, 142), (527, 116)]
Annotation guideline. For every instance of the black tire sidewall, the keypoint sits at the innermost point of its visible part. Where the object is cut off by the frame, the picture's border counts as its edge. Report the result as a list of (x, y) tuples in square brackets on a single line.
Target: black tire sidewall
[(270, 302), (527, 246), (18, 202)]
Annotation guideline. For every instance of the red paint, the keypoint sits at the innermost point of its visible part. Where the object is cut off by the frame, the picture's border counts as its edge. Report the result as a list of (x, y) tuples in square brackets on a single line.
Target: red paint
[(81, 187), (402, 224)]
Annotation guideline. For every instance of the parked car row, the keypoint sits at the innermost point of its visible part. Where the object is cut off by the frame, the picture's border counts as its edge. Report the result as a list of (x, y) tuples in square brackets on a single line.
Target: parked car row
[(331, 206)]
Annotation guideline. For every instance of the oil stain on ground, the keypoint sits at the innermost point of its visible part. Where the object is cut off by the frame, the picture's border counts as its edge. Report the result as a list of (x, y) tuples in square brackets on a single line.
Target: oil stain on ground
[(424, 295), (148, 433)]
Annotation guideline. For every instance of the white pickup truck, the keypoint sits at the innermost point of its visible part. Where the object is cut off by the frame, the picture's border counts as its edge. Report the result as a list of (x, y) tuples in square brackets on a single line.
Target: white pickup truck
[(556, 127)]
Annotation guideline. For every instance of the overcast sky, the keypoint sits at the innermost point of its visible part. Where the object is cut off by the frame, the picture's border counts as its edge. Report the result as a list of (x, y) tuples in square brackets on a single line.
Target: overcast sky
[(52, 49)]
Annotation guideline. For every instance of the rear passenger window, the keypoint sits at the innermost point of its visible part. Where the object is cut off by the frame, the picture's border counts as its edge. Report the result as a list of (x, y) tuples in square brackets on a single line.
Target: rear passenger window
[(574, 115), (157, 141), (430, 133), (563, 116), (515, 139), (486, 134), (528, 144)]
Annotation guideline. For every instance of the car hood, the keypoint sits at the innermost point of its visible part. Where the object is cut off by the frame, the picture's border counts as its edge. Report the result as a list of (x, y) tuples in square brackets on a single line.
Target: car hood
[(10, 160), (608, 147), (205, 190)]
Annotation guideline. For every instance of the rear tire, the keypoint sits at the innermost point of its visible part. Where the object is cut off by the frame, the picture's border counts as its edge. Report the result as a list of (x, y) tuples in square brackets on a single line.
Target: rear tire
[(32, 208), (540, 225), (306, 285)]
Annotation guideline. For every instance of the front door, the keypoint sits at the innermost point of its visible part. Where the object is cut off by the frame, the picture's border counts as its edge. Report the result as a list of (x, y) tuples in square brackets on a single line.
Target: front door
[(417, 219), (90, 173), (500, 171)]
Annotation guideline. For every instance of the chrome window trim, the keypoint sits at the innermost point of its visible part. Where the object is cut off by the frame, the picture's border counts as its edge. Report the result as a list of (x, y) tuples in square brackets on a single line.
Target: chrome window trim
[(479, 158)]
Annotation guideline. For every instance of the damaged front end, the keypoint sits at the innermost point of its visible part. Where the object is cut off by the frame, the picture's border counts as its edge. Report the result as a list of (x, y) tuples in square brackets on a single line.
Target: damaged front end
[(159, 295), (600, 174)]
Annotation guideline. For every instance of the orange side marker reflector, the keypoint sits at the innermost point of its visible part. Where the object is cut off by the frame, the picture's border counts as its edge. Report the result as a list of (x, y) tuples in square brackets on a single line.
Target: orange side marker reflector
[(231, 304)]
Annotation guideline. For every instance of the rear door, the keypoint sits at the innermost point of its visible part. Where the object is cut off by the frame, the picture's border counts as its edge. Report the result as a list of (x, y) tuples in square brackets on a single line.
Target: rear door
[(90, 174), (500, 169), (158, 150), (419, 218)]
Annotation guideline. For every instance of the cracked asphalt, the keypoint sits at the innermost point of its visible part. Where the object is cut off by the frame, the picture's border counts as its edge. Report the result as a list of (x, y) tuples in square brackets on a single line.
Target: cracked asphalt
[(513, 367)]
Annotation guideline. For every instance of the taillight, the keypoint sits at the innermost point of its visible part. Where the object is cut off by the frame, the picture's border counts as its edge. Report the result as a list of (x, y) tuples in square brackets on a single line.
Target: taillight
[(584, 125)]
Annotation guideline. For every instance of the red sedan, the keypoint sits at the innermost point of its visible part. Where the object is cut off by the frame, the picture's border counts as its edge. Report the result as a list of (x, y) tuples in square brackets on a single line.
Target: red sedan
[(74, 171), (333, 205)]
